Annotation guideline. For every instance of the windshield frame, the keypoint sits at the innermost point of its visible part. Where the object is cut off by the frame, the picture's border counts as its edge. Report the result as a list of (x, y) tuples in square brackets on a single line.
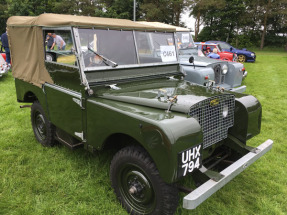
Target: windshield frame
[(136, 65), (190, 37)]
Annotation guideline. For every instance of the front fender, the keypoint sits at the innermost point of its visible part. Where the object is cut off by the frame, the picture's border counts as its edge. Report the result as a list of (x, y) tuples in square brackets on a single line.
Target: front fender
[(162, 135), (197, 74), (247, 117)]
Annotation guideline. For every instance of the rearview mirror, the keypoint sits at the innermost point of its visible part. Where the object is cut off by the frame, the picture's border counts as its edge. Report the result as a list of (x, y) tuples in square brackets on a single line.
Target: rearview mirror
[(191, 59)]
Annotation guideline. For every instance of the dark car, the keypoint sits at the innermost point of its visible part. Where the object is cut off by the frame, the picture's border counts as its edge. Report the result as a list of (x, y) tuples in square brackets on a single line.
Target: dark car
[(243, 54), (121, 89)]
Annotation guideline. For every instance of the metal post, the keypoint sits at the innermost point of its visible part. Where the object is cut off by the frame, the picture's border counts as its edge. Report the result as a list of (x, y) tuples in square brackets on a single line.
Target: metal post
[(134, 10)]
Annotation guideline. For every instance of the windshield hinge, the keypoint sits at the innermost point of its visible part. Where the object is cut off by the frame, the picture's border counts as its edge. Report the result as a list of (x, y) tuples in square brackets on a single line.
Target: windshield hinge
[(79, 102), (80, 135), (114, 87)]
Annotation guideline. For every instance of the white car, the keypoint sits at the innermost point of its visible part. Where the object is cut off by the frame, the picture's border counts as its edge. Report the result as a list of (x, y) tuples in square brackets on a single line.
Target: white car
[(4, 67)]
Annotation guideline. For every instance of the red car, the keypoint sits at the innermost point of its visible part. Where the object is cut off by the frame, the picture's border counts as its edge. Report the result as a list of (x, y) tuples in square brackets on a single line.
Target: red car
[(2, 52), (206, 48), (4, 56)]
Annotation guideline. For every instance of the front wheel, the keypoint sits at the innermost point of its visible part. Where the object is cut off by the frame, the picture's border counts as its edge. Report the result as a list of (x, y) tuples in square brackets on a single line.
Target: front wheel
[(138, 186), (241, 58), (44, 131)]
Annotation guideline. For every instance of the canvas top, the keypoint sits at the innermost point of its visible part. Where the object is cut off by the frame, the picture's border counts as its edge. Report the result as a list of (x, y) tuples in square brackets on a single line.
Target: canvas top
[(160, 25), (60, 20)]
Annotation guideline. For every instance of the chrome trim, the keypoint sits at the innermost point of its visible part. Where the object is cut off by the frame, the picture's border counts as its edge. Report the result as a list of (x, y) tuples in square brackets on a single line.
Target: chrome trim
[(78, 102), (240, 89), (136, 46), (101, 68), (80, 135), (80, 58), (64, 90)]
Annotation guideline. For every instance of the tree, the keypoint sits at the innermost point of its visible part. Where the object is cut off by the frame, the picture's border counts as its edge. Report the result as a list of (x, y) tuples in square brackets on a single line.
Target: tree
[(266, 14), (3, 16), (122, 9), (166, 11), (198, 9), (29, 7)]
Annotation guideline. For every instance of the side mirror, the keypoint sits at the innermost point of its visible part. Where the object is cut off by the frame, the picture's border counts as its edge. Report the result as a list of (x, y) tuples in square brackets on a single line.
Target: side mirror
[(191, 59), (231, 48)]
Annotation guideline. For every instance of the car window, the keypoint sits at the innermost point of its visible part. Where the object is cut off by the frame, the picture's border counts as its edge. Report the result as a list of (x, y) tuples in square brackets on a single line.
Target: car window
[(115, 45), (59, 47), (184, 40), (224, 45), (155, 47)]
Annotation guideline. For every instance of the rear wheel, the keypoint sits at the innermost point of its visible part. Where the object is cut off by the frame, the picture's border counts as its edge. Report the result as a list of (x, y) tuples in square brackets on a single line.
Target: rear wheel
[(138, 186), (241, 58), (49, 57), (44, 131)]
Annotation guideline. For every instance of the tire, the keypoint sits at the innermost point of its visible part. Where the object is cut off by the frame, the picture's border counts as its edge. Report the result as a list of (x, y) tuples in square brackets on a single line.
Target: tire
[(44, 131), (241, 58), (49, 57), (138, 186)]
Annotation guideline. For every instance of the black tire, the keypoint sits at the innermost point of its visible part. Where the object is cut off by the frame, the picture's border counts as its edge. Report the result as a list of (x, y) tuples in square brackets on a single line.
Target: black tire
[(241, 58), (50, 57), (44, 131), (138, 186)]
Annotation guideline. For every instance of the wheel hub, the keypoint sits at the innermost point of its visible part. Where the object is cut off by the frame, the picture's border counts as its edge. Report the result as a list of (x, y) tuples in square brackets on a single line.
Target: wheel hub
[(137, 189), (40, 126)]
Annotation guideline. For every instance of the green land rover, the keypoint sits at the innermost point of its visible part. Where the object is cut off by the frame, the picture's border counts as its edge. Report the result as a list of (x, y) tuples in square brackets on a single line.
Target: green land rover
[(119, 84)]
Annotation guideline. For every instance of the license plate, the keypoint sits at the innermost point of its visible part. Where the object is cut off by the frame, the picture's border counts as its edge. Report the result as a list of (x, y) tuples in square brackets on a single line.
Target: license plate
[(189, 160)]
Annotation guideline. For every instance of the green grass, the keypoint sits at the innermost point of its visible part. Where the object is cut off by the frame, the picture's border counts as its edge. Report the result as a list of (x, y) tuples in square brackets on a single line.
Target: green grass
[(36, 180)]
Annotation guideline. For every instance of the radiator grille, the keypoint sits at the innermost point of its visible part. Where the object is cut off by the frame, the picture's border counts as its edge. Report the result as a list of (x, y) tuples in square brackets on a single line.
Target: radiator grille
[(209, 114), (218, 76)]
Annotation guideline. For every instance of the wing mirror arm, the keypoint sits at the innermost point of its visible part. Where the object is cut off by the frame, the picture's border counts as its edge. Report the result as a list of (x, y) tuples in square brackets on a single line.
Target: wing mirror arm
[(191, 60)]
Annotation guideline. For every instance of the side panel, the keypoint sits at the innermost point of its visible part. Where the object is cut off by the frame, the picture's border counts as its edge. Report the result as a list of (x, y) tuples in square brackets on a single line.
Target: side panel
[(65, 109), (25, 90)]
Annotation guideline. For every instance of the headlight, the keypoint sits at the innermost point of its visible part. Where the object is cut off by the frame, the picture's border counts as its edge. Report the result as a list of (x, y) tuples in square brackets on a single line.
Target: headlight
[(225, 111), (252, 54), (224, 69)]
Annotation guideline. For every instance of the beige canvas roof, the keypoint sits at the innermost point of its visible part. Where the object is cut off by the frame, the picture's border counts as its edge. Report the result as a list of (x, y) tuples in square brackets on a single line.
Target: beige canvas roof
[(160, 25), (26, 40), (58, 20)]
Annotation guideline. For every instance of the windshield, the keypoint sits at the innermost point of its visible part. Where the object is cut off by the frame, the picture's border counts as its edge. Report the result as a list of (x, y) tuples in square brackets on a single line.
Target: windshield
[(101, 47), (225, 45), (191, 51), (184, 40)]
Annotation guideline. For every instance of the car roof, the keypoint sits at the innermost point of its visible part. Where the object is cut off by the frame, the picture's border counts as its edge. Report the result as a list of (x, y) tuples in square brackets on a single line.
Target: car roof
[(205, 43), (61, 20), (217, 41), (163, 25), (30, 43)]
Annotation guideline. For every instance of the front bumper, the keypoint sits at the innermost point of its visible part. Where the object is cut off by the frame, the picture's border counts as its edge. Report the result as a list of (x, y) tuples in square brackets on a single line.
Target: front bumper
[(199, 195), (240, 89)]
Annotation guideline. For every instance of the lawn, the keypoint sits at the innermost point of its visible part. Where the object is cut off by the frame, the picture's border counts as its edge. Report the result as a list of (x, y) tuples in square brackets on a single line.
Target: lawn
[(36, 180)]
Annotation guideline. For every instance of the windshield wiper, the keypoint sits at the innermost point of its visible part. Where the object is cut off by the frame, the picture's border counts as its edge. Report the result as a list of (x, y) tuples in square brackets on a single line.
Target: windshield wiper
[(105, 60)]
